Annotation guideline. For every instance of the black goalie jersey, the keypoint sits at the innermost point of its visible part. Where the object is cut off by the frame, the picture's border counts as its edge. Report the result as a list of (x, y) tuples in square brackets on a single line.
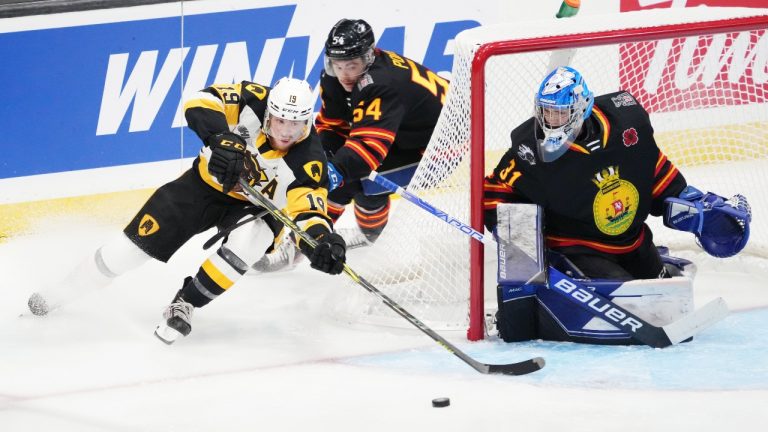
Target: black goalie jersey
[(390, 114), (600, 192)]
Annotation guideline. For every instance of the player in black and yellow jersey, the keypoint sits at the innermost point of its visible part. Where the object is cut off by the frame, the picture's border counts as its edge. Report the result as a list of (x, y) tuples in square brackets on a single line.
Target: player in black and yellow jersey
[(263, 135), (594, 167), (378, 113)]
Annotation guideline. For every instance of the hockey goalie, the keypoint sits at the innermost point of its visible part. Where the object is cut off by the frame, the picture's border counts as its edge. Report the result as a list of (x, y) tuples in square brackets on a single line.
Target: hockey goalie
[(592, 170)]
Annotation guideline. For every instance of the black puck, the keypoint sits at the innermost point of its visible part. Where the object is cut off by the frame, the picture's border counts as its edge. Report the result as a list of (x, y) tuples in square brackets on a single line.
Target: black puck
[(441, 402)]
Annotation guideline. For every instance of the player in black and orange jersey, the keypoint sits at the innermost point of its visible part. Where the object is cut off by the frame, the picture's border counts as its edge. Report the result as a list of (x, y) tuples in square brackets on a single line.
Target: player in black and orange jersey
[(378, 113), (263, 135)]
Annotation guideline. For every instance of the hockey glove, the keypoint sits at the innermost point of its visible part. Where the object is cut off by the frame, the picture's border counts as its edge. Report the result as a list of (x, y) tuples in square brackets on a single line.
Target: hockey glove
[(335, 179), (721, 225), (329, 254), (227, 158)]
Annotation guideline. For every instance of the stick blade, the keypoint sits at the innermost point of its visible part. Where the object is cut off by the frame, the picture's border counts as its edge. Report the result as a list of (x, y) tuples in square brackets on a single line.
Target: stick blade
[(695, 322), (520, 368)]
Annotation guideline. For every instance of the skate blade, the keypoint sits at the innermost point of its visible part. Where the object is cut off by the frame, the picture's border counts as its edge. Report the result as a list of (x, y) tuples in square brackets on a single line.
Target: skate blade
[(167, 335)]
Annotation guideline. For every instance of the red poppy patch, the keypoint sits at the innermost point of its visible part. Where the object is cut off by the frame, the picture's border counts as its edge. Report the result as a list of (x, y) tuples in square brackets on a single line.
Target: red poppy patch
[(630, 137)]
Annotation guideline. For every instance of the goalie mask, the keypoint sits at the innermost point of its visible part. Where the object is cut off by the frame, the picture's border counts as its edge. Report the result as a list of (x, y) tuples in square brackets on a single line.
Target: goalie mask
[(562, 104), (289, 112), (349, 40)]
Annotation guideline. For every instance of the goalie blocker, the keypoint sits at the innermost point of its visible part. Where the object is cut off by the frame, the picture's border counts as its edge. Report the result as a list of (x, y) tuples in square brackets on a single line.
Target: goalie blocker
[(528, 310)]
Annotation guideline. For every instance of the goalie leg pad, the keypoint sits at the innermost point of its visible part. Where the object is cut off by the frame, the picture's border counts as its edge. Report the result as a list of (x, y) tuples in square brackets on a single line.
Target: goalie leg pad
[(516, 318)]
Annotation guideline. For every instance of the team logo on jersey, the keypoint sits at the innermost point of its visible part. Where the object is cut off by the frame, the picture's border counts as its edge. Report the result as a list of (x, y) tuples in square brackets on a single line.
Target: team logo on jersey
[(257, 90), (623, 99), (616, 202), (255, 174), (630, 137), (525, 153), (314, 170), (148, 225)]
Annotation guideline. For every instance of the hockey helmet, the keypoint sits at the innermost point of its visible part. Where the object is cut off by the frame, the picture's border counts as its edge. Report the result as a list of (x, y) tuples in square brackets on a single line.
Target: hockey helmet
[(349, 39), (290, 99), (562, 103)]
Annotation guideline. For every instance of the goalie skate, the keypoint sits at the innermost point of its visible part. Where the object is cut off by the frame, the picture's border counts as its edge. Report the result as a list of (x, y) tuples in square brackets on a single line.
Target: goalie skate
[(177, 321)]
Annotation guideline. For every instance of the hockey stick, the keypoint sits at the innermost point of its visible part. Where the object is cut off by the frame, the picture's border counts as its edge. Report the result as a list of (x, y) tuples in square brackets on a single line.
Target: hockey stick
[(589, 300), (231, 228), (520, 368), (445, 217), (563, 57), (656, 337)]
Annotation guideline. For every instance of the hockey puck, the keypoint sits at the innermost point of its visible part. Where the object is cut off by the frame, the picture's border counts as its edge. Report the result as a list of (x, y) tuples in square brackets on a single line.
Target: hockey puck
[(441, 402)]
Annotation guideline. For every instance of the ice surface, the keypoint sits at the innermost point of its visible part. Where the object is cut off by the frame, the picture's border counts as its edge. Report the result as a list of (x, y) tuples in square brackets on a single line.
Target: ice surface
[(266, 356)]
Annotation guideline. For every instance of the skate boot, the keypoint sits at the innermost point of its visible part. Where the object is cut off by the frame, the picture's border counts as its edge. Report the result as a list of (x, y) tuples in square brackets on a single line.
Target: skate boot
[(353, 237), (177, 319), (284, 257)]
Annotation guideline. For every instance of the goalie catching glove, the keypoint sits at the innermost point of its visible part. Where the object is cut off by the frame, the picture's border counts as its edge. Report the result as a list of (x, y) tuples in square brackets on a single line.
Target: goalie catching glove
[(721, 225), (227, 158)]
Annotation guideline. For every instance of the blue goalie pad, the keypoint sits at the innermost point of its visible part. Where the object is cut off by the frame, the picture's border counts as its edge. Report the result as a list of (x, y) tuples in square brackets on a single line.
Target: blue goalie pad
[(721, 225), (529, 309)]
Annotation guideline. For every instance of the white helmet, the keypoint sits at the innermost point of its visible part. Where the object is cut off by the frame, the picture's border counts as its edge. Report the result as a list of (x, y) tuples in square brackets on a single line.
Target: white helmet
[(290, 99)]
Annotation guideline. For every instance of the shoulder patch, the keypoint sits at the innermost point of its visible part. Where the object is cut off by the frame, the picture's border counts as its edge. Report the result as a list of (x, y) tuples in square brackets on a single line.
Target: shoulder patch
[(366, 80), (623, 99), (314, 170), (148, 225), (259, 91), (525, 153)]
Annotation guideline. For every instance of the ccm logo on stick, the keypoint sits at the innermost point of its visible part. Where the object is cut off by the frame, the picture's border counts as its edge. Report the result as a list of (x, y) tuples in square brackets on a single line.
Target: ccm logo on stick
[(598, 305)]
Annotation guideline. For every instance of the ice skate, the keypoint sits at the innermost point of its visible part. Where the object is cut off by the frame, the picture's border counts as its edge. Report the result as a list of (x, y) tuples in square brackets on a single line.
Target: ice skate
[(177, 320)]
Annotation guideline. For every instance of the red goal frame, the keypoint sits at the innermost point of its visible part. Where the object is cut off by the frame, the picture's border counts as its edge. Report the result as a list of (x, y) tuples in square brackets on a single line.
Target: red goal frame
[(476, 330)]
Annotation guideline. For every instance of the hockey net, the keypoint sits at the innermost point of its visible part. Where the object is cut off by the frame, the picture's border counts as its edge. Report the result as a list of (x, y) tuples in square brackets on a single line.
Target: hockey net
[(702, 75)]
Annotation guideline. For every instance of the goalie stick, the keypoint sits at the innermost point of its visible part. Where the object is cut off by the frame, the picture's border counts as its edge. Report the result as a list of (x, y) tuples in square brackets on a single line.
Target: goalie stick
[(589, 300), (519, 368)]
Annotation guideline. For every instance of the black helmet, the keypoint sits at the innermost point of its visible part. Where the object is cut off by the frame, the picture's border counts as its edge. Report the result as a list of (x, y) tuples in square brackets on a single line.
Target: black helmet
[(349, 39)]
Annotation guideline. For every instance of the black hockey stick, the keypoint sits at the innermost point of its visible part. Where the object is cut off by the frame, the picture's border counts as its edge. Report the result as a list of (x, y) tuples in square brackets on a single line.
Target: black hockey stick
[(520, 368), (231, 228), (589, 300)]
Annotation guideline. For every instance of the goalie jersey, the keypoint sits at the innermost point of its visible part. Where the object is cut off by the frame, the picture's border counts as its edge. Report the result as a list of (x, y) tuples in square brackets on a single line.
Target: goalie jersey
[(599, 193), (386, 121), (294, 180)]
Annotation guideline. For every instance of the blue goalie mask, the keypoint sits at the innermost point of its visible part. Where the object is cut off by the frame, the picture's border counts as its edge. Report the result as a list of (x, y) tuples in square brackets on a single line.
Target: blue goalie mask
[(562, 104)]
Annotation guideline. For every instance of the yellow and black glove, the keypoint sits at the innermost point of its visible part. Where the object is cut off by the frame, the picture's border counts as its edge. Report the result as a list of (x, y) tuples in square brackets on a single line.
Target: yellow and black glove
[(227, 158)]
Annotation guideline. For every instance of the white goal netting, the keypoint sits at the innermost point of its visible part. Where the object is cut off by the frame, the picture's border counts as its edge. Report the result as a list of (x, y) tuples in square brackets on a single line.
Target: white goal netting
[(708, 99)]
